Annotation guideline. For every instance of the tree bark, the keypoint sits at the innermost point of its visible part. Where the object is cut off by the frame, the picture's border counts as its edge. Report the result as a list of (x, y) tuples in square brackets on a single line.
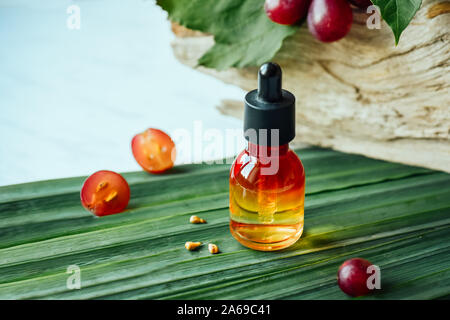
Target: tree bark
[(361, 94)]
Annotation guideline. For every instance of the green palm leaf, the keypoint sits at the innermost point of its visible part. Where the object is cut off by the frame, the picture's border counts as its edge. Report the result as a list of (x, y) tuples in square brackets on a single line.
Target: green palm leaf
[(396, 216)]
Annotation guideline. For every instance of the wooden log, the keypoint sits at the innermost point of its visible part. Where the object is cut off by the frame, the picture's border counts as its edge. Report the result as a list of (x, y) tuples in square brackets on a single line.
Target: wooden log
[(361, 94)]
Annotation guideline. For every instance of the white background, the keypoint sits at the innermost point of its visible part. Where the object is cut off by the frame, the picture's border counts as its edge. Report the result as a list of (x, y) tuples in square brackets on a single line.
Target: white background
[(71, 100)]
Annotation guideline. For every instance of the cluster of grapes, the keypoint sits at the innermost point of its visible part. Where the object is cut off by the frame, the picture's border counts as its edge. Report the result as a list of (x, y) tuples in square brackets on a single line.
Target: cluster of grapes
[(328, 20)]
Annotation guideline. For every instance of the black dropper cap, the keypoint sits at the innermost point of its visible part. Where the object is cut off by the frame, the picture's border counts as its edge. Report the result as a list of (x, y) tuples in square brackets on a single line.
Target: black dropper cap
[(269, 107)]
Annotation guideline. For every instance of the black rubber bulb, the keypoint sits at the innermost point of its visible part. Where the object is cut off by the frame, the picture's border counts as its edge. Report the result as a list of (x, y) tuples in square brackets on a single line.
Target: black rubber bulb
[(269, 82), (269, 108)]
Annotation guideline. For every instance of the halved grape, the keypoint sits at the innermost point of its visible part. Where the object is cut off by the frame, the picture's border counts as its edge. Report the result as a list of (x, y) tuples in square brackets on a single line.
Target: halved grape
[(154, 150), (104, 193)]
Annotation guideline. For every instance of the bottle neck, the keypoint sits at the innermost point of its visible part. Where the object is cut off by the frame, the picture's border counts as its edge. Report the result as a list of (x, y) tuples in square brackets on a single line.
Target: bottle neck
[(256, 150)]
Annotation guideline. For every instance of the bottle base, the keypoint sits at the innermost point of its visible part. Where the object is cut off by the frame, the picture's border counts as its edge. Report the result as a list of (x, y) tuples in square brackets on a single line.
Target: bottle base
[(266, 237)]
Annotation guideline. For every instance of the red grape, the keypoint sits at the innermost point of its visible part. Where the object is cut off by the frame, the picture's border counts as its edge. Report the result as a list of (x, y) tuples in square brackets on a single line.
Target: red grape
[(363, 4), (352, 277), (286, 11), (329, 20)]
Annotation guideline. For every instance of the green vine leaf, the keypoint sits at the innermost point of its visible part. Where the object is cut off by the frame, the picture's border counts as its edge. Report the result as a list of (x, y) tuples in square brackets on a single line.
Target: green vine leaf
[(243, 34), (398, 13)]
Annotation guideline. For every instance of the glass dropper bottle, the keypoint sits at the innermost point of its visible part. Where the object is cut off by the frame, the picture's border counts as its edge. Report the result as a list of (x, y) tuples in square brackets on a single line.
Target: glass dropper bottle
[(267, 179)]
